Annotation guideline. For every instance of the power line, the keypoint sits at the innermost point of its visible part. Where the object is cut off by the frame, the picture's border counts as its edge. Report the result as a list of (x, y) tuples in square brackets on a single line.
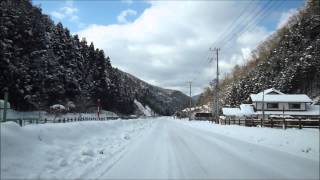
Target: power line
[(258, 21), (232, 25), (255, 21), (234, 29), (251, 18)]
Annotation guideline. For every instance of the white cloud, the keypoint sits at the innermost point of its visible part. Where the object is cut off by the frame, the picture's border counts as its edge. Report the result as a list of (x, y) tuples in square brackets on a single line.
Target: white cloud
[(69, 12), (128, 2), (285, 17), (57, 15), (168, 43), (122, 17)]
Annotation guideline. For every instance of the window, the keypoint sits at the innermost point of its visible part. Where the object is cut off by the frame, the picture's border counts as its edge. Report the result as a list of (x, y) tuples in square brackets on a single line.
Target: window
[(272, 105), (295, 106)]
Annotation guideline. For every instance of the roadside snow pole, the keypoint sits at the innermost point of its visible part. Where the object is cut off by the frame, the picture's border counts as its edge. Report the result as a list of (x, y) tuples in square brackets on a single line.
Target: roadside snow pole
[(284, 124), (300, 127), (5, 104)]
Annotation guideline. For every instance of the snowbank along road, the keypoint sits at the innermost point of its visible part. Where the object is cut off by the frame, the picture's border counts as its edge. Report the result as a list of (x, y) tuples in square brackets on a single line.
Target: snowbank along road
[(151, 148)]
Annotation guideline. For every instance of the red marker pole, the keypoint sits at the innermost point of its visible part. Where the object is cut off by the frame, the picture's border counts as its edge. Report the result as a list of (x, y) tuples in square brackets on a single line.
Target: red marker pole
[(98, 112)]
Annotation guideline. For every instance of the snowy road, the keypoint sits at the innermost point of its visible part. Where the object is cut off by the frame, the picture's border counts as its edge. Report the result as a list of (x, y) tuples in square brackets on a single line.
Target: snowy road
[(172, 150), (159, 148)]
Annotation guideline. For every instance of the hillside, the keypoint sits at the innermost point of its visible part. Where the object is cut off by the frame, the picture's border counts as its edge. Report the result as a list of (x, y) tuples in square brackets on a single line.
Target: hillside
[(43, 64), (162, 101), (288, 60)]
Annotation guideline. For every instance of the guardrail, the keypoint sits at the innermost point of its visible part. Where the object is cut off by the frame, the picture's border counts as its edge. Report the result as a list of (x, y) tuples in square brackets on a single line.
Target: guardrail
[(312, 122)]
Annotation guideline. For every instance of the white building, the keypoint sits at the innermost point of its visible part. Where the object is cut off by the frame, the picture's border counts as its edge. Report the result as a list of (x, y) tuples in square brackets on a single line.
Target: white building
[(274, 102)]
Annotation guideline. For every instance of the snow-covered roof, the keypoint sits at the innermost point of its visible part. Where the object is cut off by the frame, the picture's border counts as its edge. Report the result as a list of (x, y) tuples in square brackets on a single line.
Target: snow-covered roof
[(246, 109), (273, 95), (280, 98), (57, 106), (271, 91), (231, 111)]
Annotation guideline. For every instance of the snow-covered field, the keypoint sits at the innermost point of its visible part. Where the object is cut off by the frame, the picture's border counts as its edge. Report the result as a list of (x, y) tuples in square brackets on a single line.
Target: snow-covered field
[(66, 150), (304, 143), (156, 148)]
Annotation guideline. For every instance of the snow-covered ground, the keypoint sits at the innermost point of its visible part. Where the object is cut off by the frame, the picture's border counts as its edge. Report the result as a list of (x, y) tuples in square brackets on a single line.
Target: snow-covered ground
[(146, 111), (157, 148), (66, 150), (304, 143)]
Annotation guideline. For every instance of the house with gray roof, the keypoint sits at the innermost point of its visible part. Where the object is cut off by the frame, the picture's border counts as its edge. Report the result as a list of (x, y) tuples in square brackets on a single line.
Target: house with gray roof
[(274, 102)]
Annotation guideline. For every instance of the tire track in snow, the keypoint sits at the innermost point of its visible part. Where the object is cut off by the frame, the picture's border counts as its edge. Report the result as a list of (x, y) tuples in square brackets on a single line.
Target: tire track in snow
[(180, 149), (99, 170)]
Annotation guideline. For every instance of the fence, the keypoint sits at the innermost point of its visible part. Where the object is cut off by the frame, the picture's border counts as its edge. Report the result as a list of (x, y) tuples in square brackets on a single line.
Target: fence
[(312, 122), (26, 121)]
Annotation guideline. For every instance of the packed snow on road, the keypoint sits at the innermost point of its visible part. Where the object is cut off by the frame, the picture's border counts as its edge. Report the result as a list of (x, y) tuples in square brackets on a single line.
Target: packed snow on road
[(157, 148)]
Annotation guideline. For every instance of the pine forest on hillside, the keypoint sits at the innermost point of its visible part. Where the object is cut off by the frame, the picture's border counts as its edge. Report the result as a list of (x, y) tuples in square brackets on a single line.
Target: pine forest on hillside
[(288, 60), (44, 64)]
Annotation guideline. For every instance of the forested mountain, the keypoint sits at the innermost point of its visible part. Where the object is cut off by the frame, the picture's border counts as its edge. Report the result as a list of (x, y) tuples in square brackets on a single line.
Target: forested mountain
[(163, 101), (43, 64), (289, 60)]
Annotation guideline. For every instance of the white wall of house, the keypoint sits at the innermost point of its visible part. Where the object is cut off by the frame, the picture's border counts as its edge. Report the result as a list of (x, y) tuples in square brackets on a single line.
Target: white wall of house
[(281, 106)]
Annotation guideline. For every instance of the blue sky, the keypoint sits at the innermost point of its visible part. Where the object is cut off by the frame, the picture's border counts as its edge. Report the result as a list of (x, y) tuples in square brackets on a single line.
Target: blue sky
[(166, 43), (106, 11), (91, 12)]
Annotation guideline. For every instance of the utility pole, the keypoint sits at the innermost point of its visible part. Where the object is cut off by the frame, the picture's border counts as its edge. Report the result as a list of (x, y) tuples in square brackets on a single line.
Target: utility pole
[(263, 105), (216, 103), (217, 85), (190, 99)]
